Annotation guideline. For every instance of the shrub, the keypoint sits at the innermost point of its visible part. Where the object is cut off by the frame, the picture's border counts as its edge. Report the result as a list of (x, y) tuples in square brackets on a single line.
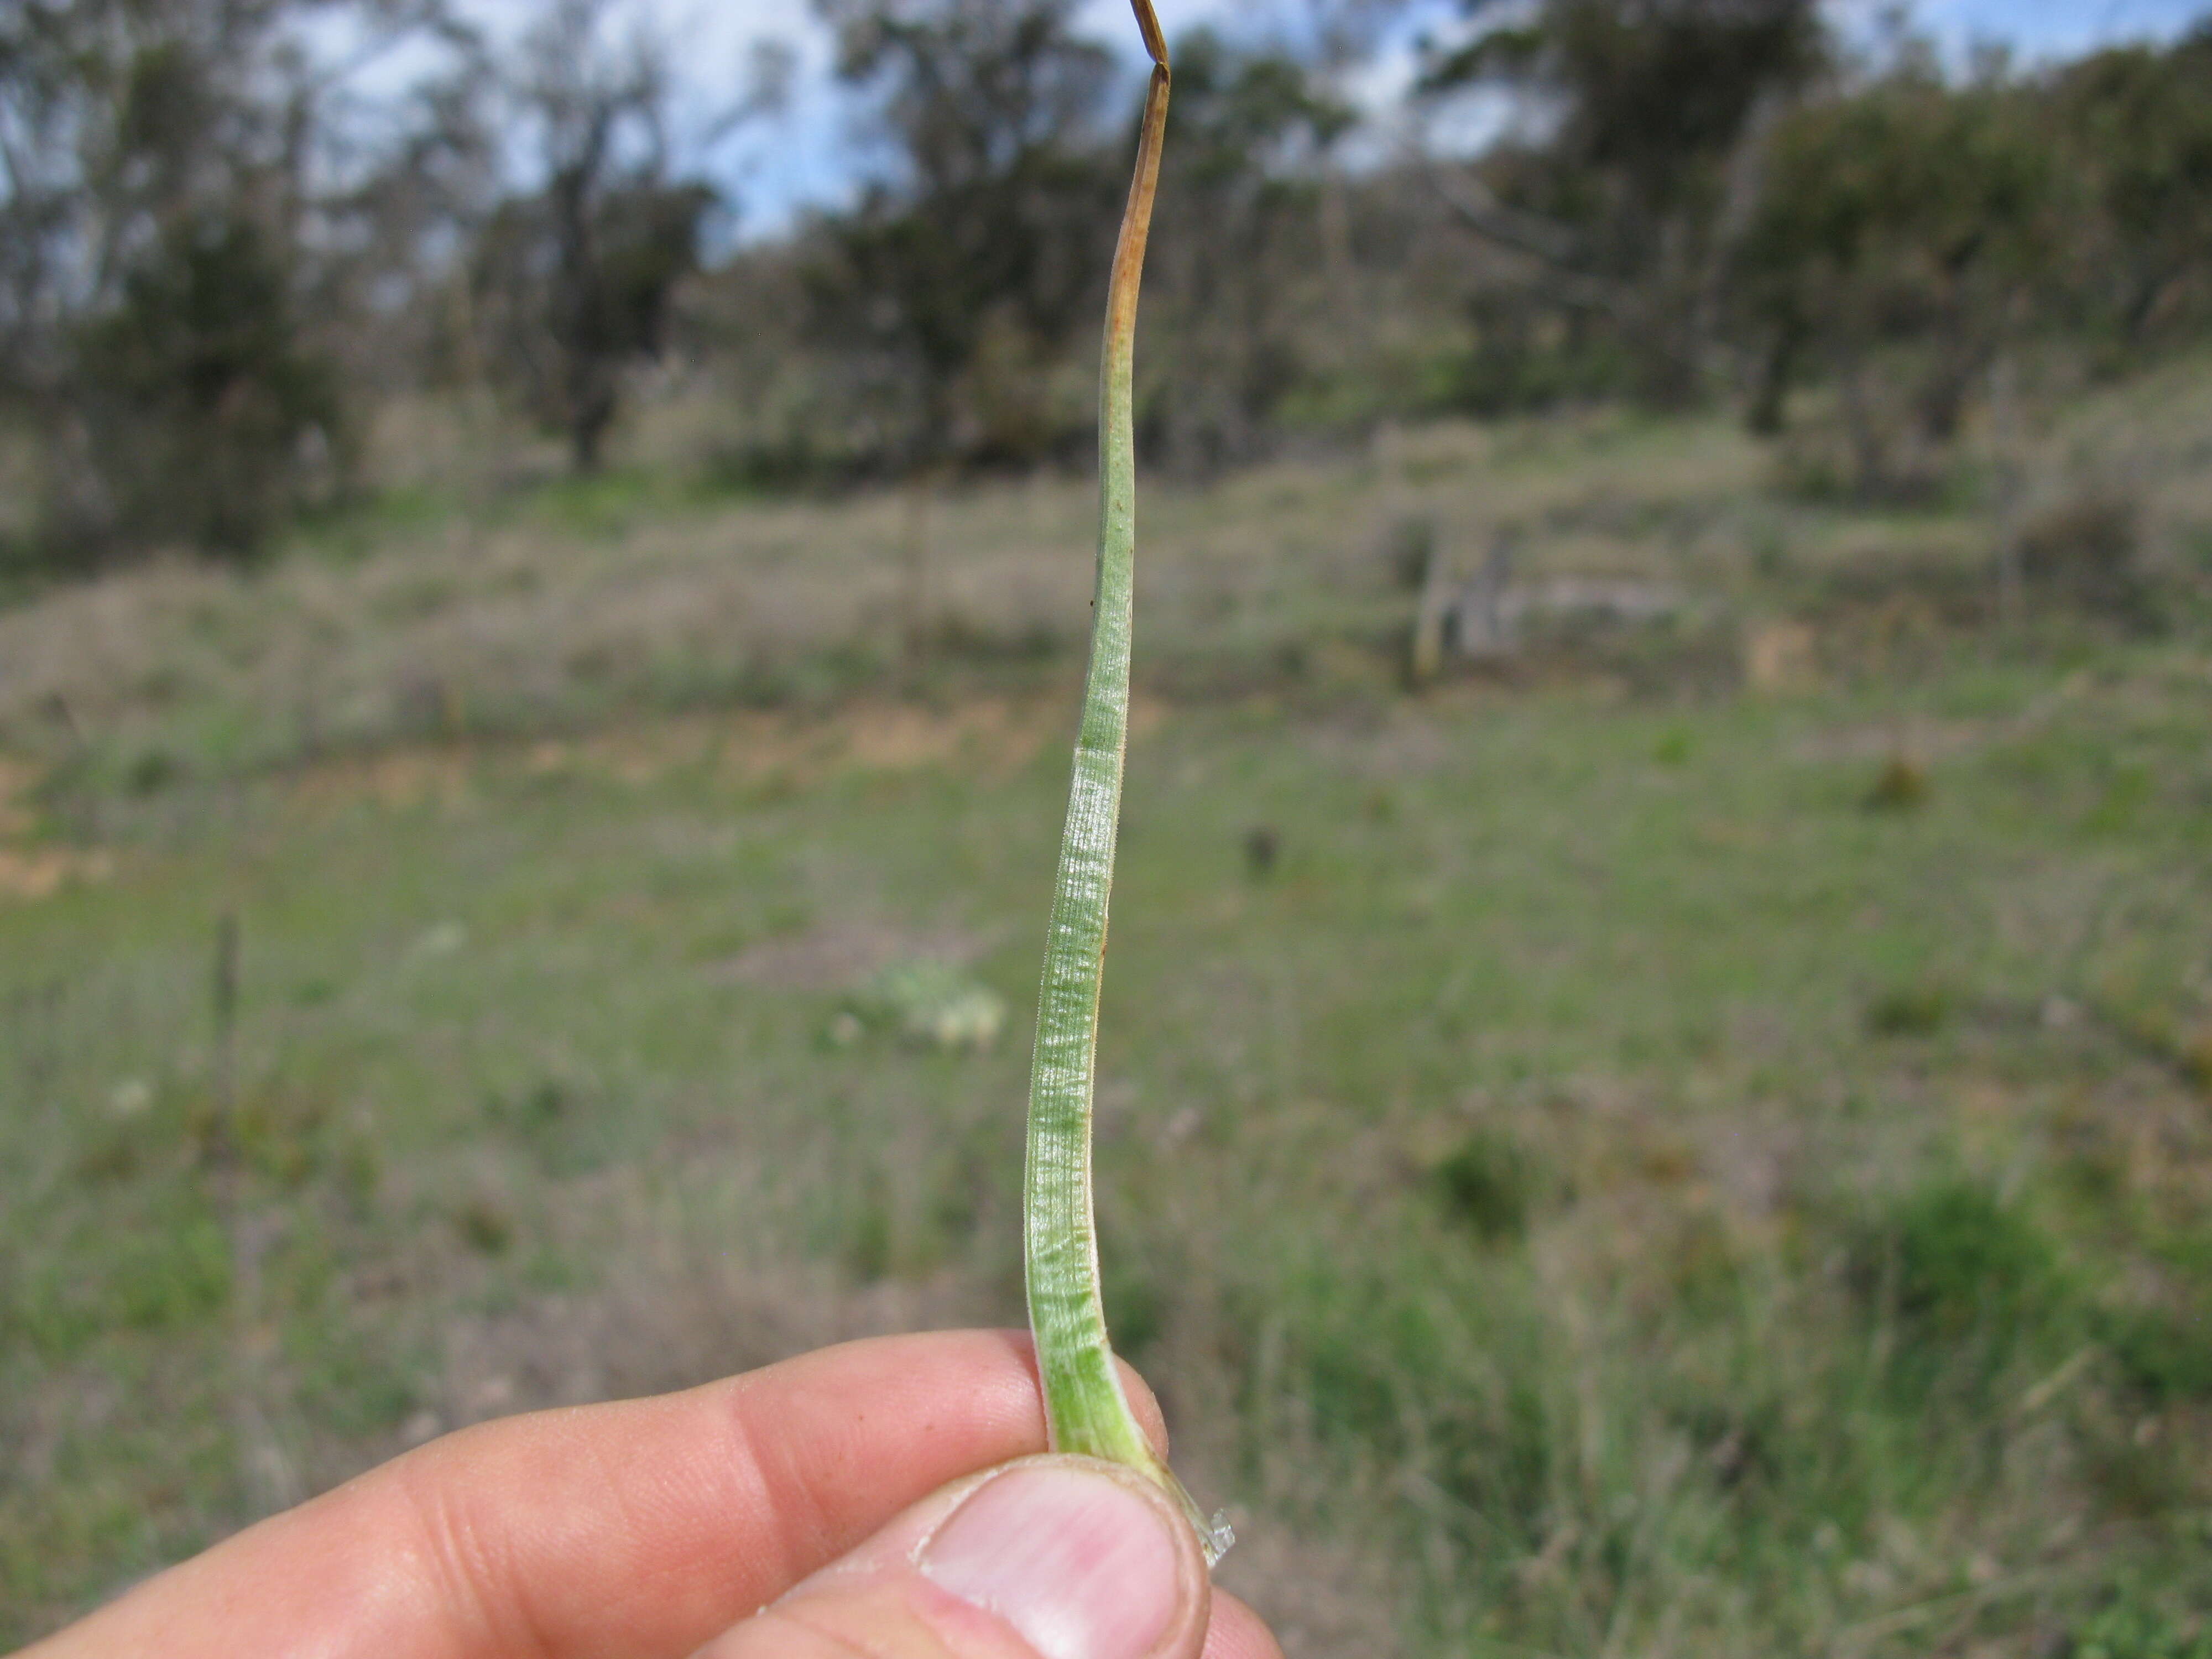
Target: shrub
[(1910, 1010), (1488, 1186), (2167, 1355), (2080, 553), (208, 419), (1966, 1261), (2128, 1629), (1901, 786), (1970, 1281)]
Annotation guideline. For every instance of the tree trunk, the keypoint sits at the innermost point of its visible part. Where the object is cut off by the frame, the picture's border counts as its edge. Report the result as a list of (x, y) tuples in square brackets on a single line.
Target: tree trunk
[(2011, 478), (588, 434), (1768, 416), (1869, 456), (917, 560)]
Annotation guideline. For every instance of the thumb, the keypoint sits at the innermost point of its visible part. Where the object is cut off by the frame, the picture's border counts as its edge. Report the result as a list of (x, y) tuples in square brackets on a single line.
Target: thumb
[(1049, 1558)]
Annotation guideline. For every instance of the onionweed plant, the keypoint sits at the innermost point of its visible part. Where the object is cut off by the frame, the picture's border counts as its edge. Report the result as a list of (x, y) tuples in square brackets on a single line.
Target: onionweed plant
[(1085, 1407)]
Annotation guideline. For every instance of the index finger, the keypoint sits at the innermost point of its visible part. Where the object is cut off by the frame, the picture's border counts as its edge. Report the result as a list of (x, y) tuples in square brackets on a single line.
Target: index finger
[(634, 1529)]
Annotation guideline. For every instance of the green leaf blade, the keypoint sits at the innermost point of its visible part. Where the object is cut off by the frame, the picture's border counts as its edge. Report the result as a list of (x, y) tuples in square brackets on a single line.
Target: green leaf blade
[(1085, 1408)]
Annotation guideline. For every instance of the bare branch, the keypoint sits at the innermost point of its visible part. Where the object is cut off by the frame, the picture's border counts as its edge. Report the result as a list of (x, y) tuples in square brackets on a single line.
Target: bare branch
[(1474, 206)]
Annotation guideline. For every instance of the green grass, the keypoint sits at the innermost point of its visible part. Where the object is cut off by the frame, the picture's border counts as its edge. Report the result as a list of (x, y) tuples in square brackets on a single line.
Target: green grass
[(1519, 1147), (1596, 1162)]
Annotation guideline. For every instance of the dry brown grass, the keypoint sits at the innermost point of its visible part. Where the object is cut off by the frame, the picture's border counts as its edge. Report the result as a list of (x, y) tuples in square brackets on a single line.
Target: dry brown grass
[(532, 621), (547, 609)]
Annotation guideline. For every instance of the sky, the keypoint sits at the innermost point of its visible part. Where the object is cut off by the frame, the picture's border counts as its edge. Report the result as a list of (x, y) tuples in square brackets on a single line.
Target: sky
[(807, 155)]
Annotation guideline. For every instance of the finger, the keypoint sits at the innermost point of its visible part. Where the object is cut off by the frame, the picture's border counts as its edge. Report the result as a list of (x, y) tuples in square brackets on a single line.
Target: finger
[(1050, 1558), (634, 1529), (1236, 1631)]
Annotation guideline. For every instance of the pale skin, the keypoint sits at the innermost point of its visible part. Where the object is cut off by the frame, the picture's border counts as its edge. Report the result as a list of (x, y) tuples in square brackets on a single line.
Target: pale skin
[(773, 1514)]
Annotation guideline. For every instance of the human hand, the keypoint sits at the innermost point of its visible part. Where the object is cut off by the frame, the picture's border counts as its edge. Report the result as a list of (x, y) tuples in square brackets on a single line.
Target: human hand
[(854, 1502)]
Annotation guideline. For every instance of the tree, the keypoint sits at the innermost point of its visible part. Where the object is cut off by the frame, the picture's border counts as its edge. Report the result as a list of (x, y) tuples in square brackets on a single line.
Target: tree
[(1908, 230), (166, 206), (2137, 121), (199, 394), (1236, 294), (971, 261), (574, 276), (1625, 189)]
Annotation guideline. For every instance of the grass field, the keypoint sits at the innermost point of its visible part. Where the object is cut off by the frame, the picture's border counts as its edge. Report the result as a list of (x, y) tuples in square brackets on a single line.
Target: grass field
[(1597, 1159)]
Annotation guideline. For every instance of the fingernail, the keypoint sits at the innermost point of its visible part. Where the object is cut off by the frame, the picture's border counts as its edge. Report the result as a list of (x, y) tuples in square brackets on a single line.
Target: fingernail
[(1079, 1564)]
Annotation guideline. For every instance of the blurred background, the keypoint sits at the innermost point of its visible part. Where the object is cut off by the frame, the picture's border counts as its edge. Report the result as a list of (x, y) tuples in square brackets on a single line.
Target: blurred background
[(1656, 1079)]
